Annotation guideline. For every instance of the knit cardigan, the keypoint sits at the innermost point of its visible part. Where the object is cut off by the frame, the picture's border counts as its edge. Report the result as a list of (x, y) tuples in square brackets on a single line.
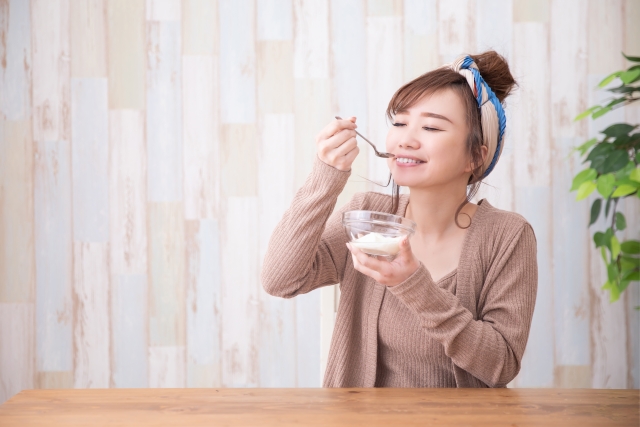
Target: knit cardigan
[(483, 326)]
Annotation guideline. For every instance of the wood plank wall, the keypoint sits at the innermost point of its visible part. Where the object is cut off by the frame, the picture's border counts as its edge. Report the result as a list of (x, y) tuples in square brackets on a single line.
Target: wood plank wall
[(149, 147)]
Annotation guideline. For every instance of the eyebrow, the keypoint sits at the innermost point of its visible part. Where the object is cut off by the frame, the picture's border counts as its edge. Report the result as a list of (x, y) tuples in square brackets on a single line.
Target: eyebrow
[(427, 114)]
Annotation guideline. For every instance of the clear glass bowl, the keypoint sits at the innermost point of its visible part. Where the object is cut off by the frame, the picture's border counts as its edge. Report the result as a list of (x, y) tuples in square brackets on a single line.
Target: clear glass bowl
[(377, 233)]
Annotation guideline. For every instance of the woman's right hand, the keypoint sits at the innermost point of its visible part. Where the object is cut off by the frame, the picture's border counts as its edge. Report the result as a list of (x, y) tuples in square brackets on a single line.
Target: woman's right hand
[(337, 144)]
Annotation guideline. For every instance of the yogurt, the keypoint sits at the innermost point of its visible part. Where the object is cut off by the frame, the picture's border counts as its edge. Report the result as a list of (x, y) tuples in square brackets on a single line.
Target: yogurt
[(378, 244)]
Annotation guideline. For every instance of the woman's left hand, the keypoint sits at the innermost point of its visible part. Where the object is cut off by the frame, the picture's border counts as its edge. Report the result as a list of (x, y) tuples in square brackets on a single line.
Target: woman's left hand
[(388, 273)]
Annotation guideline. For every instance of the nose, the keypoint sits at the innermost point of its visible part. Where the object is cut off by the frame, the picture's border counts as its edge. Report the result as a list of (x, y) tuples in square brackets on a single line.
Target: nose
[(409, 141), (402, 138)]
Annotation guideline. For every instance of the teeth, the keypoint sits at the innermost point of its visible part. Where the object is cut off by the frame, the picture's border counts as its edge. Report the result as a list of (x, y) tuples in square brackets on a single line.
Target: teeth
[(405, 160)]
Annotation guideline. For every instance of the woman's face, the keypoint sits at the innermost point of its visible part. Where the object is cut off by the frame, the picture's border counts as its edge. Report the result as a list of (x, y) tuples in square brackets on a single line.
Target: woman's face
[(429, 141)]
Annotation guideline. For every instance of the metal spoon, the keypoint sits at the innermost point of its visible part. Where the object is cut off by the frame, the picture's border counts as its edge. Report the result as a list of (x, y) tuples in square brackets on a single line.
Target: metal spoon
[(379, 154)]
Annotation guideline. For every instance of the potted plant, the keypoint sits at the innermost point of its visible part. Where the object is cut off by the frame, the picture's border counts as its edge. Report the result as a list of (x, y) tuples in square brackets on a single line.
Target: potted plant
[(613, 172)]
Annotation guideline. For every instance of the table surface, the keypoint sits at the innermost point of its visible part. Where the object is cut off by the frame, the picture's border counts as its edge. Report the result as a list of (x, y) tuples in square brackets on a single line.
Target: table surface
[(320, 407)]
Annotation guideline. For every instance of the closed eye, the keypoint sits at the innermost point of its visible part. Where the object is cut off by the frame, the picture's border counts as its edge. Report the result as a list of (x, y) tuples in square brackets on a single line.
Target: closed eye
[(425, 127)]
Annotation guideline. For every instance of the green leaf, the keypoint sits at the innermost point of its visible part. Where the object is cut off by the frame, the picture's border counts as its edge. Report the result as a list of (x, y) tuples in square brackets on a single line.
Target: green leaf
[(632, 58), (623, 285), (605, 184), (584, 147), (628, 262), (621, 141), (583, 176), (614, 291), (630, 76), (615, 247), (632, 276), (630, 247), (618, 129), (606, 209), (609, 79), (614, 162), (599, 155), (635, 175), (585, 189), (601, 149), (599, 239), (617, 101), (625, 181), (612, 273), (595, 211), (623, 89), (615, 294), (623, 174), (621, 222), (623, 190), (608, 236), (601, 112), (603, 253), (627, 142), (587, 112)]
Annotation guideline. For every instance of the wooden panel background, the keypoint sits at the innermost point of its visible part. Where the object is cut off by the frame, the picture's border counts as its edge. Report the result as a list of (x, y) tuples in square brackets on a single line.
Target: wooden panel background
[(149, 147)]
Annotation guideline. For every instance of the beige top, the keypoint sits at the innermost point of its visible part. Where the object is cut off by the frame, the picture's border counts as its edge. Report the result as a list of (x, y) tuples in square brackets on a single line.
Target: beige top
[(407, 357), (481, 322)]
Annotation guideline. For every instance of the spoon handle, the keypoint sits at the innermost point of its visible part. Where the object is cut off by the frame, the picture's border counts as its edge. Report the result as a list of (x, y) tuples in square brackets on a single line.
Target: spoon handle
[(379, 154), (360, 135)]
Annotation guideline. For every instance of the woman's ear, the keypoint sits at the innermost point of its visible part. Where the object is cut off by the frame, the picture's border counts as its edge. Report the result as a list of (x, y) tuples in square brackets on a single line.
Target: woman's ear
[(472, 166), (485, 151)]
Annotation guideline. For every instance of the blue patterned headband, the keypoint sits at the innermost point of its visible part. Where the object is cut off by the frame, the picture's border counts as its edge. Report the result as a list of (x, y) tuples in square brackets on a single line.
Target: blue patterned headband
[(491, 112)]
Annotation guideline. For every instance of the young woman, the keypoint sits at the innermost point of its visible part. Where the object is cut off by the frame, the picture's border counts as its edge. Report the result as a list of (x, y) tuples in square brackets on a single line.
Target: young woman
[(454, 308)]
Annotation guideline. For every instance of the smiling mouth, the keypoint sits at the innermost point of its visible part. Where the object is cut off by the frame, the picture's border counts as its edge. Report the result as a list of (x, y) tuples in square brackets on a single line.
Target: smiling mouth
[(404, 160)]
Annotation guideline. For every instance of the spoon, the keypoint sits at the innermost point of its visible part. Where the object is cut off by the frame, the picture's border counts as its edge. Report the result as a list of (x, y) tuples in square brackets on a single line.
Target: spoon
[(379, 154)]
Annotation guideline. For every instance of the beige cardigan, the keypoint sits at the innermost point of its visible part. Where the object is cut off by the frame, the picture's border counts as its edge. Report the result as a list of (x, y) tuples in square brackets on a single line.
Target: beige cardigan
[(483, 327)]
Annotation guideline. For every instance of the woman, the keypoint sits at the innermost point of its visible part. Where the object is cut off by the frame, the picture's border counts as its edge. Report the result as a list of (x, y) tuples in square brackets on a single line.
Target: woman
[(454, 308)]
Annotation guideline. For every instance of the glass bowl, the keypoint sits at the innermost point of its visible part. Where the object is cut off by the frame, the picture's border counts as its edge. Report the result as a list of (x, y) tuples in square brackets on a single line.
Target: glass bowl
[(377, 233)]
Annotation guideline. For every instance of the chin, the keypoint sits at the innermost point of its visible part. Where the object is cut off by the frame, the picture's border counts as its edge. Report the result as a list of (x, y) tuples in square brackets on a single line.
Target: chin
[(407, 182), (407, 177), (420, 180)]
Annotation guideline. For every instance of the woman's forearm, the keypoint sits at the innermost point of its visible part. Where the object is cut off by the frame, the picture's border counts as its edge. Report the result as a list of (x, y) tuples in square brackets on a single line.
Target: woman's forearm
[(296, 260), (491, 347)]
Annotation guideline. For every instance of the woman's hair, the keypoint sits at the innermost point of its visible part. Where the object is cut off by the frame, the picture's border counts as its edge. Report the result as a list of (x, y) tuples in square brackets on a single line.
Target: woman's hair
[(495, 72)]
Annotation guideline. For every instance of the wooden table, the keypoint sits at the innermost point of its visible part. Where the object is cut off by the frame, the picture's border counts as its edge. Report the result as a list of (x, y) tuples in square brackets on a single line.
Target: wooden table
[(322, 407)]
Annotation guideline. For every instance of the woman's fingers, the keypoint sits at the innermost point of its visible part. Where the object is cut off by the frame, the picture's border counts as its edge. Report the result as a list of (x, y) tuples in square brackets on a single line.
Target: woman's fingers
[(387, 273), (336, 126), (337, 145), (405, 252), (364, 269), (348, 158), (342, 146), (406, 257), (372, 267), (340, 157), (340, 138)]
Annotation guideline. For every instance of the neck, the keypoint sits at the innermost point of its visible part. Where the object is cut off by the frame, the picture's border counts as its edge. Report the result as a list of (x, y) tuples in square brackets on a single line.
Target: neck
[(434, 209)]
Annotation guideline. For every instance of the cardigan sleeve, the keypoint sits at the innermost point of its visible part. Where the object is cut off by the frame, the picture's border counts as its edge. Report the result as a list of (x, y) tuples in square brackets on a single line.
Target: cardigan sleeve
[(307, 249), (491, 347)]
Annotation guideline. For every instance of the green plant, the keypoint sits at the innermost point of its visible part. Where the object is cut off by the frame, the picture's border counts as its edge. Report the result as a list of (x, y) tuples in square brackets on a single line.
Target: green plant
[(614, 173)]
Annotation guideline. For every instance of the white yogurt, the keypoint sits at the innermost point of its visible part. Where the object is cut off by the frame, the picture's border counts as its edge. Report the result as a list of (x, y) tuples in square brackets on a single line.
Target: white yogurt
[(378, 244)]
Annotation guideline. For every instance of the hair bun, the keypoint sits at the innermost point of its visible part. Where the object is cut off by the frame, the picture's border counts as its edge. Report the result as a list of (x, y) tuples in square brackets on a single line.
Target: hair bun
[(495, 72)]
